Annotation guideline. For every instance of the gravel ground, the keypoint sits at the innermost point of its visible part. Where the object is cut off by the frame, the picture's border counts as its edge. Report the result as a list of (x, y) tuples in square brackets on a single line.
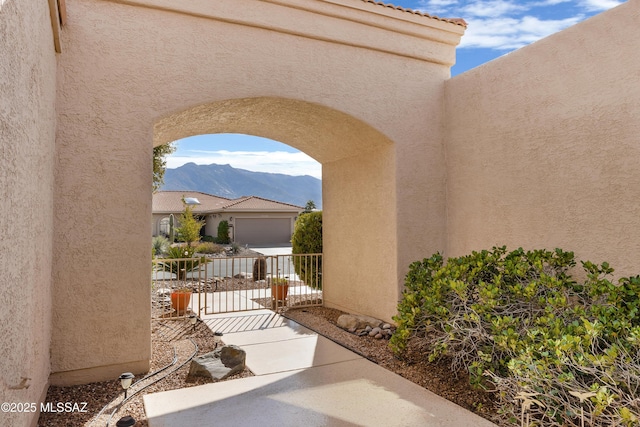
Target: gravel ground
[(169, 338), (170, 334)]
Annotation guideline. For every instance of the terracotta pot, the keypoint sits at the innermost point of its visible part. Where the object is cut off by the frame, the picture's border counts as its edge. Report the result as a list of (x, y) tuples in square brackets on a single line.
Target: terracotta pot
[(180, 301), (279, 292)]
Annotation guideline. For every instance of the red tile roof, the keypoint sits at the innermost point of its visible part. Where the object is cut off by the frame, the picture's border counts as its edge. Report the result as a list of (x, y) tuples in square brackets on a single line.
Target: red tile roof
[(258, 203), (171, 202), (457, 21)]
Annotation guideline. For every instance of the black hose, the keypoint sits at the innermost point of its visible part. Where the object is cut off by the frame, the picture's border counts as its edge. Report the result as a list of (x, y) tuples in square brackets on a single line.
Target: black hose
[(157, 380)]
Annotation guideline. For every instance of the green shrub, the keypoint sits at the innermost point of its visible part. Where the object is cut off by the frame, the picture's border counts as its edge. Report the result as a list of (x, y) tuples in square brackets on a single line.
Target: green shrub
[(519, 323), (160, 245), (189, 230), (209, 248), (180, 261), (208, 238), (223, 233), (307, 239)]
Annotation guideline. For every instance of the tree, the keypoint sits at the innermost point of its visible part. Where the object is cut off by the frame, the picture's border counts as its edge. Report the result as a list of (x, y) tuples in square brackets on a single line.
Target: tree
[(189, 230), (223, 232), (309, 207), (160, 163)]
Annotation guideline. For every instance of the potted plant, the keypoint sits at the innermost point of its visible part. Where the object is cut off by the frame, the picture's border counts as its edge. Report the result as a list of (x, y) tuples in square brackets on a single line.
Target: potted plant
[(279, 288), (180, 299)]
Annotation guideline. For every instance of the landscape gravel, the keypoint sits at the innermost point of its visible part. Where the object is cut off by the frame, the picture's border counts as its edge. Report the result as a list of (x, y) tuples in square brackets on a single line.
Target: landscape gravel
[(168, 335)]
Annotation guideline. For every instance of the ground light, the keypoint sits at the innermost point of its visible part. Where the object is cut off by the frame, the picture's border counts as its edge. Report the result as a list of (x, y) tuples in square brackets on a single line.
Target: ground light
[(125, 381), (126, 421), (217, 337), (193, 319)]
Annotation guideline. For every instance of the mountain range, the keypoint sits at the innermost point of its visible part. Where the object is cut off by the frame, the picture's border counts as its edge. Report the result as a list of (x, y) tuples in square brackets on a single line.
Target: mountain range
[(227, 181)]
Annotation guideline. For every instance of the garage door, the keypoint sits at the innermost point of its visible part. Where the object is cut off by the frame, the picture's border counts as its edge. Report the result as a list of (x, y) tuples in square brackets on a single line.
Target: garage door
[(262, 231)]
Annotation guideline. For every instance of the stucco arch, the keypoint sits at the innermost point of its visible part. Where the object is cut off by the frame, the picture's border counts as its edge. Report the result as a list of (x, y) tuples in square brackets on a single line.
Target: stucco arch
[(355, 85), (359, 188), (323, 133)]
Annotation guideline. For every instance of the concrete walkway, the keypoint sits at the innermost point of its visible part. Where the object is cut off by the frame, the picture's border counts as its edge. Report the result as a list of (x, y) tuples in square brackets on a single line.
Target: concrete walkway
[(301, 379)]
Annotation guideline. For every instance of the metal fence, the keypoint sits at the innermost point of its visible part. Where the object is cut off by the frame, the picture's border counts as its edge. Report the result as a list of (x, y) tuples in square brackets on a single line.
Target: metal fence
[(200, 286)]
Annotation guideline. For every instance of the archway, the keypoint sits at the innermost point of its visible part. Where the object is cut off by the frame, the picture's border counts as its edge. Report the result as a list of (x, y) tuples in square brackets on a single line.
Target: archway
[(358, 187)]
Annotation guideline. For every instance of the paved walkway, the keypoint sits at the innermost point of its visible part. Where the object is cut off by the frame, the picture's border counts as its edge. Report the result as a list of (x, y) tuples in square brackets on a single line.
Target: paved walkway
[(301, 379)]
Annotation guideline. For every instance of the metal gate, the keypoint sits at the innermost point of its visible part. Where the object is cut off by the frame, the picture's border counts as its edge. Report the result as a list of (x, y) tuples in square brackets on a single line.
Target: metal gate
[(231, 284)]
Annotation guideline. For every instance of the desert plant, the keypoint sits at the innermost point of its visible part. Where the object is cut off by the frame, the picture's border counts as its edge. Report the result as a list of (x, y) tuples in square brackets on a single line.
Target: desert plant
[(180, 261), (307, 239), (260, 269), (279, 281), (189, 229), (520, 324), (235, 248), (209, 248), (223, 232), (160, 245)]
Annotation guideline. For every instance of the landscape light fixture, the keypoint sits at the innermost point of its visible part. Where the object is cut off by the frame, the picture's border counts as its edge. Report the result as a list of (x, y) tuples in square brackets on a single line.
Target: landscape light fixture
[(193, 319), (126, 421), (125, 381), (217, 337)]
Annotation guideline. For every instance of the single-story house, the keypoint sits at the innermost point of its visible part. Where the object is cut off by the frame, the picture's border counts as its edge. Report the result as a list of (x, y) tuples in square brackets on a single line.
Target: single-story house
[(252, 220)]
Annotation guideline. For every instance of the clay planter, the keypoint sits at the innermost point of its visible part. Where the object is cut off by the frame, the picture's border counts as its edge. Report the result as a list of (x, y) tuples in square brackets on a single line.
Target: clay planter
[(280, 291), (180, 301)]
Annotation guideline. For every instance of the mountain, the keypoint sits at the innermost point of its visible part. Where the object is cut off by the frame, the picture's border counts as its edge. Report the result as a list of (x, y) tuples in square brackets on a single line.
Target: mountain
[(226, 181)]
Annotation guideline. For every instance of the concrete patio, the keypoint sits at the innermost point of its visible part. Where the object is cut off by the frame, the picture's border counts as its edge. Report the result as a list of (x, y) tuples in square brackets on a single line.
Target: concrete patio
[(301, 379)]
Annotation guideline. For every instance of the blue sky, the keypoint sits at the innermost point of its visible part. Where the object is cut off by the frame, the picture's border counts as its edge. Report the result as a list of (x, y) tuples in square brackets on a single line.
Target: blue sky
[(495, 28)]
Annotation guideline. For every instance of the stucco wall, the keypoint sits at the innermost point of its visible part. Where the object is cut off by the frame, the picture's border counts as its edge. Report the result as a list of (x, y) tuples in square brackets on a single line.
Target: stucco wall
[(338, 82), (543, 149), (27, 138)]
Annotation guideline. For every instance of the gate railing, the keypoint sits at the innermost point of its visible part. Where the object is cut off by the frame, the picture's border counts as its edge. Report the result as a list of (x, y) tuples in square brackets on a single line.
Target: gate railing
[(222, 285)]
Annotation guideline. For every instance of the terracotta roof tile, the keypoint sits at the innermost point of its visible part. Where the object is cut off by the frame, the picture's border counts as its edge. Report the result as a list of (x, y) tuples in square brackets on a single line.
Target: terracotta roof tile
[(258, 203), (171, 201), (457, 21)]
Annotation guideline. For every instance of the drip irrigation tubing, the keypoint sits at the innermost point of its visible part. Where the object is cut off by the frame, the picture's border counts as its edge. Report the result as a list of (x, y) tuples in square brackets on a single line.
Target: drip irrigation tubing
[(195, 351)]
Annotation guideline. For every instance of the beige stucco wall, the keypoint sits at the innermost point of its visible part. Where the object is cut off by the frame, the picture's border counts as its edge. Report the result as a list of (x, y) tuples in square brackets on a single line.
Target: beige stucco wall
[(316, 76), (27, 137), (543, 149)]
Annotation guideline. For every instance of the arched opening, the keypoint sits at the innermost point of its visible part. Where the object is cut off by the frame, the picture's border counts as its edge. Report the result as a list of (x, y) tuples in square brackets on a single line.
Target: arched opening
[(358, 169)]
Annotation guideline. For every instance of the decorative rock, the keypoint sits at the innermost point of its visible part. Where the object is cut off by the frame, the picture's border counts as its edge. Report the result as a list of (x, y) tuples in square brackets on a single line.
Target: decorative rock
[(368, 328), (219, 364), (378, 336), (386, 326), (356, 321), (375, 331)]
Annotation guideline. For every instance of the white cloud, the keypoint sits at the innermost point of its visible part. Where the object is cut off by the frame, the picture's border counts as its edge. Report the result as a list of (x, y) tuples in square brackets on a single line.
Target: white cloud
[(511, 24), (492, 8), (511, 33), (598, 5), (257, 161)]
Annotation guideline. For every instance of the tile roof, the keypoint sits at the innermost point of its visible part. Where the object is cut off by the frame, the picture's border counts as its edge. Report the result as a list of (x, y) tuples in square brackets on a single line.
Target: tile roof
[(258, 203), (171, 201), (457, 21)]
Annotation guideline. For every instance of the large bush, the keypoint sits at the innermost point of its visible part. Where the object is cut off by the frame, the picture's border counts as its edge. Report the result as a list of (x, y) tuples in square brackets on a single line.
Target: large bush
[(223, 232), (561, 349), (307, 239)]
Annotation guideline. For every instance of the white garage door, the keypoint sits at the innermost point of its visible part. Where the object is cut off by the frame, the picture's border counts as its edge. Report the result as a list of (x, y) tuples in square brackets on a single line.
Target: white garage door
[(262, 231)]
